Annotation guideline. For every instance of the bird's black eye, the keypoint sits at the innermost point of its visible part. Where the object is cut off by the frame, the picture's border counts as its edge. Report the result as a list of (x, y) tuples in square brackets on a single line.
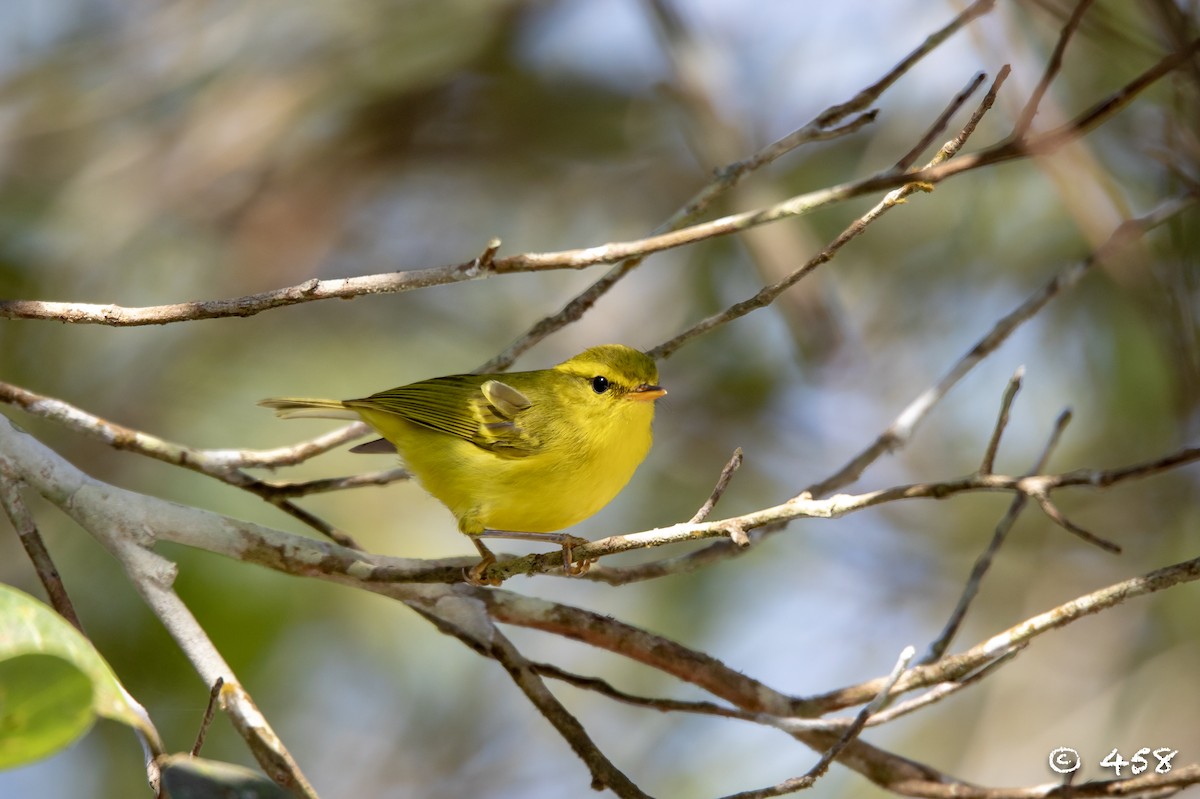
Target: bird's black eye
[(599, 384)]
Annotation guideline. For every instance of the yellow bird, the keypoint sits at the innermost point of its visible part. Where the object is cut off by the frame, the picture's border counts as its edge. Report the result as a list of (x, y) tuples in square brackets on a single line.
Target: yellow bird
[(520, 455)]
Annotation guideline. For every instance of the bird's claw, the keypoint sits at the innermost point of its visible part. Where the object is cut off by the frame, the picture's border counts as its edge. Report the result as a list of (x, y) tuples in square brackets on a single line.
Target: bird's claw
[(570, 567), (475, 575), (573, 569)]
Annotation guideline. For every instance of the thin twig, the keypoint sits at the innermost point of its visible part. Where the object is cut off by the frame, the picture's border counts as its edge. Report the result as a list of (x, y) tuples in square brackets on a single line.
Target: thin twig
[(767, 295), (984, 562), (732, 466), (935, 694), (940, 123), (209, 710), (901, 429), (571, 312), (326, 484), (829, 755), (1014, 148), (1010, 393), (1007, 150), (307, 517), (802, 506), (35, 548), (604, 688), (604, 773), (1025, 119), (1050, 509), (874, 91)]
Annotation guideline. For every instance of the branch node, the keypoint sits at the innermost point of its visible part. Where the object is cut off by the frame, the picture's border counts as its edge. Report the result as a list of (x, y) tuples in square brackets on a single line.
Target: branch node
[(737, 534), (485, 259)]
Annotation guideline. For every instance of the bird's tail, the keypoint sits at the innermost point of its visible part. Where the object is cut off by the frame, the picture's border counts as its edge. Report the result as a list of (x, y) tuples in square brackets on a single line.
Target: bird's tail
[(307, 407)]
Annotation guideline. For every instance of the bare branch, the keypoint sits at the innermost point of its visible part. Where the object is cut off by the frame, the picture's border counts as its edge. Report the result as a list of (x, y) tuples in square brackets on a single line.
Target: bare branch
[(151, 575), (1002, 152), (130, 525), (1043, 144), (309, 291), (396, 282), (35, 548), (826, 760), (207, 461), (224, 465), (898, 433), (818, 129), (803, 506), (953, 667), (105, 509), (604, 773), (769, 294), (716, 552), (573, 311), (464, 618)]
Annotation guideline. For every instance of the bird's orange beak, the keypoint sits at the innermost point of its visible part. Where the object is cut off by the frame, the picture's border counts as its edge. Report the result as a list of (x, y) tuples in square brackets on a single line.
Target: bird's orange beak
[(647, 393)]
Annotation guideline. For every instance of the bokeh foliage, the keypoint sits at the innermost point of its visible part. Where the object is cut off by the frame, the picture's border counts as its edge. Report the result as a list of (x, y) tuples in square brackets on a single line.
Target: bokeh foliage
[(155, 153)]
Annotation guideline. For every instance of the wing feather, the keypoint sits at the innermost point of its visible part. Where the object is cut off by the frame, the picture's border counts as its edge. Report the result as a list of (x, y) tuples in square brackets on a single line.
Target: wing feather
[(484, 411)]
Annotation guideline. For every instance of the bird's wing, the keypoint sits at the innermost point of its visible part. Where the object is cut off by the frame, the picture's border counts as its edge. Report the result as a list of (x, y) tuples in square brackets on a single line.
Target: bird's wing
[(487, 413)]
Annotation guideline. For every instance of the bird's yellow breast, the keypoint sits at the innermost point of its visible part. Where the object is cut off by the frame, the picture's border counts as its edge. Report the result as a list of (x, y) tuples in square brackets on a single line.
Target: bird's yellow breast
[(576, 471)]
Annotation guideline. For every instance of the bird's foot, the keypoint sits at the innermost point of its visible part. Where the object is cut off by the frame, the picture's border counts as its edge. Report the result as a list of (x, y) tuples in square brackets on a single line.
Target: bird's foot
[(570, 567), (565, 540), (475, 575)]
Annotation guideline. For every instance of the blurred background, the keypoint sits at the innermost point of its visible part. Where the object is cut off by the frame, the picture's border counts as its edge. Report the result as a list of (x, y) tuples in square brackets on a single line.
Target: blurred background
[(156, 153)]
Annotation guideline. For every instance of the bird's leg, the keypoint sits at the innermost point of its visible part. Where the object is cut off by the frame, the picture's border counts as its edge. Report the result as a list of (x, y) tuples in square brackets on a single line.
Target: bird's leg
[(475, 575), (565, 540)]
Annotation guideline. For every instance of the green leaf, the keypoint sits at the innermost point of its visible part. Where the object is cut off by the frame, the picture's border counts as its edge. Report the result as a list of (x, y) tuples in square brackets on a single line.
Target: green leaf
[(53, 682), (45, 704)]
